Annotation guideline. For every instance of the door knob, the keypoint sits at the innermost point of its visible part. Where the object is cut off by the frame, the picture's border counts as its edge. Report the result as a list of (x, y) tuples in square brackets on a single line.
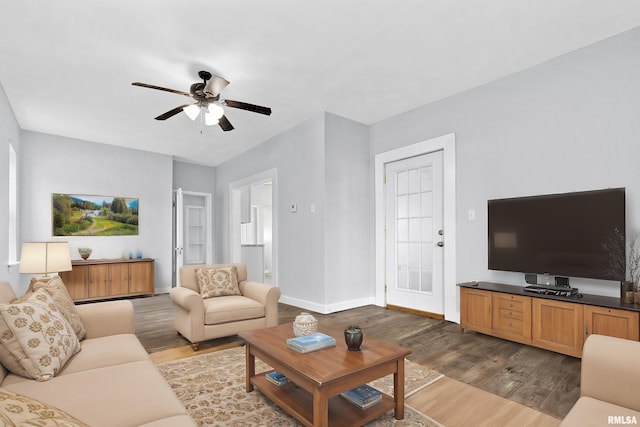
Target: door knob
[(440, 244)]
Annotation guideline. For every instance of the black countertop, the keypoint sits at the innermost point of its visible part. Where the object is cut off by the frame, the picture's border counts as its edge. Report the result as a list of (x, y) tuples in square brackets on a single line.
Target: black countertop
[(588, 299)]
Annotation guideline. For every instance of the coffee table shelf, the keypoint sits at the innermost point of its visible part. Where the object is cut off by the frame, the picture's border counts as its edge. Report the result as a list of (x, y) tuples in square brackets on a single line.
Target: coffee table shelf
[(299, 403)]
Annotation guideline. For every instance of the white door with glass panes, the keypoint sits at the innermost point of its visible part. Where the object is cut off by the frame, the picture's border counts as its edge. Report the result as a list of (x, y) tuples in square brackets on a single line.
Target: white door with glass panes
[(193, 242), (414, 233)]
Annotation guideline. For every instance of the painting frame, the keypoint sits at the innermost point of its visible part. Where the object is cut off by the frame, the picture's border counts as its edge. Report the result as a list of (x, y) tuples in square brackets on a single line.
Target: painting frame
[(91, 215)]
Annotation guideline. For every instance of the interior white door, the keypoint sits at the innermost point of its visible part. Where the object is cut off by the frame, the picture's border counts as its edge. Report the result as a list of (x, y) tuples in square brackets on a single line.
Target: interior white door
[(193, 236), (414, 233), (178, 250)]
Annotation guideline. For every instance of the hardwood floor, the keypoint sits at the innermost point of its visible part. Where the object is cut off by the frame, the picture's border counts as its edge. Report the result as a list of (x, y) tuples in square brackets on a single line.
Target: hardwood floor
[(545, 381)]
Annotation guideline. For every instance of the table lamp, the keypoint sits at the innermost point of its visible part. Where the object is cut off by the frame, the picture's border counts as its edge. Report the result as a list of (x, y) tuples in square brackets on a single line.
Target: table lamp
[(45, 257)]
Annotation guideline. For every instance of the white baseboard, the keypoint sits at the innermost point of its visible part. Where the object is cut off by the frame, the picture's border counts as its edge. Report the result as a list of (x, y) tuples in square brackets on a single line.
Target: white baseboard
[(162, 290), (326, 308)]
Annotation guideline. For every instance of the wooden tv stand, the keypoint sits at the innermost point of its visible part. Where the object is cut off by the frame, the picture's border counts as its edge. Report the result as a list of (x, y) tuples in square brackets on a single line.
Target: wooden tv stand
[(555, 323)]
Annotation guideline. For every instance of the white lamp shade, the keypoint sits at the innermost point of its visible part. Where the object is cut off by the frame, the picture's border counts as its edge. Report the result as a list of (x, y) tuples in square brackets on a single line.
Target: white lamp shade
[(216, 111), (45, 257), (192, 111), (210, 119)]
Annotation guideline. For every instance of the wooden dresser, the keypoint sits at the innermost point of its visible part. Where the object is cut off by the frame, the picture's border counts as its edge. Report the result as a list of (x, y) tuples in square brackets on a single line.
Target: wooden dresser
[(556, 323), (109, 278)]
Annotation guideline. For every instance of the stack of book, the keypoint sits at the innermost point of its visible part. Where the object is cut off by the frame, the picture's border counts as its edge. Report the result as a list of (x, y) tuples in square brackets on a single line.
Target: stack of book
[(313, 342), (363, 397), (277, 378)]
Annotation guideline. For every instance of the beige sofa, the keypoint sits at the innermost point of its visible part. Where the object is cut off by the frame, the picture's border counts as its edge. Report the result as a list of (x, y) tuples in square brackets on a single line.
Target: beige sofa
[(111, 381), (609, 384), (199, 319)]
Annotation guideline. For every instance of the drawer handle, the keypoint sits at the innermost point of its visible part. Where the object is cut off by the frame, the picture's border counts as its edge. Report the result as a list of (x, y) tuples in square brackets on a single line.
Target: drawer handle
[(510, 324), (511, 313), (510, 305)]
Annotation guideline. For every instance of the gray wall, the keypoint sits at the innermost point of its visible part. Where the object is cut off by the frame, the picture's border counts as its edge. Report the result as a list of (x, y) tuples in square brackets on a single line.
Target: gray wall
[(298, 157), (52, 164), (192, 177), (9, 134), (322, 162), (348, 237), (569, 124)]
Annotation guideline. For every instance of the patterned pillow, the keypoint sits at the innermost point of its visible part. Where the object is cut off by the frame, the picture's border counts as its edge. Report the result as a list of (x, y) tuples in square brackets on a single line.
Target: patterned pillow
[(36, 341), (217, 282), (58, 291), (19, 410)]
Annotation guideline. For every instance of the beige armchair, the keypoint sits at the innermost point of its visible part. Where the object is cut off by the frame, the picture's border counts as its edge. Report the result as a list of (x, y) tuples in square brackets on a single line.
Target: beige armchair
[(199, 319)]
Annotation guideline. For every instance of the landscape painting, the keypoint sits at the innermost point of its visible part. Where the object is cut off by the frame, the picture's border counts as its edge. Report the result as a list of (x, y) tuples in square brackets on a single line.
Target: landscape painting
[(89, 215)]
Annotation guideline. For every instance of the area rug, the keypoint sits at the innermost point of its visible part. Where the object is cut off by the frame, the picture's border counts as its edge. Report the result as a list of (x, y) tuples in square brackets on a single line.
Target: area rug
[(212, 388)]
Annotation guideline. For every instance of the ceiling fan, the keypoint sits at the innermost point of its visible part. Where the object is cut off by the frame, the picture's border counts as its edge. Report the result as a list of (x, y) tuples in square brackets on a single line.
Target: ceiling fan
[(206, 95)]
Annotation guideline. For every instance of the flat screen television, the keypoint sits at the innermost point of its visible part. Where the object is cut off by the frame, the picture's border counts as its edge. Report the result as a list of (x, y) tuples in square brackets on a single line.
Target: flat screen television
[(579, 234)]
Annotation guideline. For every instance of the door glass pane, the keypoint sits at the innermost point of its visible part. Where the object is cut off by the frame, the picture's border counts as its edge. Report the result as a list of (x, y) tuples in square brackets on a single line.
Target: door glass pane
[(403, 230), (414, 230), (414, 181), (427, 229), (426, 202), (414, 255), (414, 279), (401, 282), (403, 254), (426, 178), (426, 284), (403, 206), (414, 205), (401, 179)]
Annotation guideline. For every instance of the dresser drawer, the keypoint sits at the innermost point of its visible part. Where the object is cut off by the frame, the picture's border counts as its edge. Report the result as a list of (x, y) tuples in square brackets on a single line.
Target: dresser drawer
[(510, 326), (510, 302), (509, 313), (512, 317)]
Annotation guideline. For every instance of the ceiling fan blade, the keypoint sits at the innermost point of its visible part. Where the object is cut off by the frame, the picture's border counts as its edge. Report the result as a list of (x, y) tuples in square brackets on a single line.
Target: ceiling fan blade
[(179, 92), (215, 85), (248, 107), (225, 124), (171, 113)]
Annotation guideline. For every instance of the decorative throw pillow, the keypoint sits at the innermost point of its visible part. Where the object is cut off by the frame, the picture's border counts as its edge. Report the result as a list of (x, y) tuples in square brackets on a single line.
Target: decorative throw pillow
[(19, 410), (56, 288), (36, 340), (217, 282)]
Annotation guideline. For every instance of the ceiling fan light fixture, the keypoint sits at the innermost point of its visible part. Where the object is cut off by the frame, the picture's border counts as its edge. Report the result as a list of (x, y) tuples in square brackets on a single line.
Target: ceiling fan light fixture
[(216, 111), (210, 119), (192, 111)]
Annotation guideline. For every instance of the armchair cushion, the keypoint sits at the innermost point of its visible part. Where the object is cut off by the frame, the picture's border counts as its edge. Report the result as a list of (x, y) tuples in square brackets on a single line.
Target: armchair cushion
[(216, 282), (231, 309)]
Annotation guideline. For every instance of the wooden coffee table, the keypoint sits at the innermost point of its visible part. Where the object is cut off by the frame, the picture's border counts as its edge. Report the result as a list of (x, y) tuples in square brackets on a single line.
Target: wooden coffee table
[(317, 378)]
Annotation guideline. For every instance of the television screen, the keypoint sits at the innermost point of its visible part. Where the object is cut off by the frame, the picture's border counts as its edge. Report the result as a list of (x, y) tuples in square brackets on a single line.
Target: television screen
[(578, 234)]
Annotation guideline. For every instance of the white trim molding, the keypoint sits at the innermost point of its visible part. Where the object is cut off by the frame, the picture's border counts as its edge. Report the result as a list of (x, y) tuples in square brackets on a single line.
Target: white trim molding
[(446, 143)]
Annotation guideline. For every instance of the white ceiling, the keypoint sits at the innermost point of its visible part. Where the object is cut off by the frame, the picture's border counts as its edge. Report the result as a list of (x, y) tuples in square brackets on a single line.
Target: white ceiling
[(67, 65)]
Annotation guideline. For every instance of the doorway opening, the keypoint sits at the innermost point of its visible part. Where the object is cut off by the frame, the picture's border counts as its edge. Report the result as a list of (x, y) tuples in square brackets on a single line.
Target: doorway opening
[(253, 225)]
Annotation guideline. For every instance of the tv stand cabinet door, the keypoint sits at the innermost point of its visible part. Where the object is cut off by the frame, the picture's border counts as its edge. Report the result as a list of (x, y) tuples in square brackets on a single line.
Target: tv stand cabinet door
[(475, 310), (557, 326), (609, 321)]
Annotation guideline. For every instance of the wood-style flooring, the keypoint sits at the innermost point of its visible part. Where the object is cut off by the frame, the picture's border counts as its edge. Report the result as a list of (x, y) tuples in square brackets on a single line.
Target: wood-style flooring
[(529, 377)]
